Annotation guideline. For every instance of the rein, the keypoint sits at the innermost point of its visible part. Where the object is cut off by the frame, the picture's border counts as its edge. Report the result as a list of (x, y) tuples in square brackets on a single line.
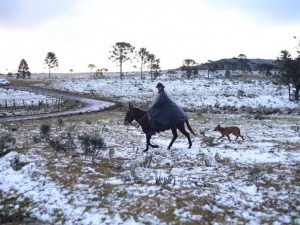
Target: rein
[(142, 118)]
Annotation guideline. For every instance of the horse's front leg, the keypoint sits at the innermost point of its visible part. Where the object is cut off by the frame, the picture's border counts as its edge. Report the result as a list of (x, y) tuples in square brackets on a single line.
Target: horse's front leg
[(148, 137), (175, 135)]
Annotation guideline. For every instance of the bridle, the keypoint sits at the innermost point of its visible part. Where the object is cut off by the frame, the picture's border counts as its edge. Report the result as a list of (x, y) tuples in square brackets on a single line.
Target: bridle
[(133, 115)]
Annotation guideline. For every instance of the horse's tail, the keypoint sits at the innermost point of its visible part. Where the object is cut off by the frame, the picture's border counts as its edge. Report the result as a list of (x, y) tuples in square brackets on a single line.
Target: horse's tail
[(189, 127)]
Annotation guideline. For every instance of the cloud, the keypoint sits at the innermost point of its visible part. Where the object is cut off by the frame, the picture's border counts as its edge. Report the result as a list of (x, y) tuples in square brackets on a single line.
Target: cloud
[(269, 11), (32, 13)]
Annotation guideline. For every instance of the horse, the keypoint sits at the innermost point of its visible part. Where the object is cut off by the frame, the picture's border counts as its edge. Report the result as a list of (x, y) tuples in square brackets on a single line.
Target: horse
[(141, 117)]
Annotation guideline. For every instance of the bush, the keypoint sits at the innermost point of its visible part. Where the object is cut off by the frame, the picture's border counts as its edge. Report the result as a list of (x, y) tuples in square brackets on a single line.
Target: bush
[(45, 129), (91, 143), (61, 141), (241, 93), (208, 140), (6, 140), (17, 164)]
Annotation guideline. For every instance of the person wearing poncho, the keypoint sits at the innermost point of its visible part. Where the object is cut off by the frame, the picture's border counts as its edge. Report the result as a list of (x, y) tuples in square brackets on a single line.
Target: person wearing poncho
[(164, 113)]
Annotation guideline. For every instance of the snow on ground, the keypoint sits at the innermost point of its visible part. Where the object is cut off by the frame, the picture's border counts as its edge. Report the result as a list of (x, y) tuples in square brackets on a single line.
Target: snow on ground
[(192, 94), (20, 98), (254, 181)]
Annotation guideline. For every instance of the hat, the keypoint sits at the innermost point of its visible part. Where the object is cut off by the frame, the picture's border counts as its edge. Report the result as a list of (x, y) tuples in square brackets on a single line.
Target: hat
[(160, 85)]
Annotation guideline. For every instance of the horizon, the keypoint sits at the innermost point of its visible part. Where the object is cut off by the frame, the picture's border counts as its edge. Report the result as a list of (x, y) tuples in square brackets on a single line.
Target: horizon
[(118, 72)]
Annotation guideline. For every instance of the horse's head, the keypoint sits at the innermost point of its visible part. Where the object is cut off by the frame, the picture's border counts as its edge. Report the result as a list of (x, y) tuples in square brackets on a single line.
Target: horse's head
[(129, 117)]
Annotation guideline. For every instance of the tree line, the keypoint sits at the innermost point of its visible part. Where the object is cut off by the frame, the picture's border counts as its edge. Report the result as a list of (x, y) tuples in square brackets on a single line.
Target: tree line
[(121, 53), (288, 68)]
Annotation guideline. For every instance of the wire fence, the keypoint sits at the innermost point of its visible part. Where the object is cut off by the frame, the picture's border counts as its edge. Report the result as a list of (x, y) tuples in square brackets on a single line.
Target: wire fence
[(40, 99), (25, 103)]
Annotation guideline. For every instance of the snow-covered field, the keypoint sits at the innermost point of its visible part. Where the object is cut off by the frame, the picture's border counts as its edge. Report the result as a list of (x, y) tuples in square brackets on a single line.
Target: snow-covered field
[(254, 181), (20, 98), (191, 94)]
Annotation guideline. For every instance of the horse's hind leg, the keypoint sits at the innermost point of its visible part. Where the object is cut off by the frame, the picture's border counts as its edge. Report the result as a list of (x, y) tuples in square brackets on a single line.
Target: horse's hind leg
[(175, 135), (186, 134), (148, 137)]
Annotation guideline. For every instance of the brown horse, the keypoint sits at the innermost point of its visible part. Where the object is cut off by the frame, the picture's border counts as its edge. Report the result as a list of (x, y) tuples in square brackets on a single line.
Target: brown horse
[(142, 118)]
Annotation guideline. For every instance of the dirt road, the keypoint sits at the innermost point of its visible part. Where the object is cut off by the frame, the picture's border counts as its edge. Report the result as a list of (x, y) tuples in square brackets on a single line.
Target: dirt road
[(88, 104)]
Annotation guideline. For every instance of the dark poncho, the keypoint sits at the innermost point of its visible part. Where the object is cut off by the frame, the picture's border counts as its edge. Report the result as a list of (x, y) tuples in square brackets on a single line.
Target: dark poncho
[(164, 113)]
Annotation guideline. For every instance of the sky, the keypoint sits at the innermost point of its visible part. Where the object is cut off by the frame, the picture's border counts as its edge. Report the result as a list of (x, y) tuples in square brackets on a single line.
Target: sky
[(82, 32)]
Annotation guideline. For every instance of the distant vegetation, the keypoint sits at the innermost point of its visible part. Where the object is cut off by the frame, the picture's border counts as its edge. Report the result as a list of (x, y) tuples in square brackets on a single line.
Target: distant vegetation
[(289, 70), (123, 51), (286, 68)]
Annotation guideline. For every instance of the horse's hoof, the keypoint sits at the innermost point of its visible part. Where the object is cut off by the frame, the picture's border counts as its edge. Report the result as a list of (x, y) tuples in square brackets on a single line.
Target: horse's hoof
[(155, 146), (146, 150)]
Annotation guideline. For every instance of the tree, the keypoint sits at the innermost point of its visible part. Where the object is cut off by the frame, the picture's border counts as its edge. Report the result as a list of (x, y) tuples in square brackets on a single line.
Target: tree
[(189, 66), (228, 66), (120, 54), (142, 56), (91, 67), (171, 73), (289, 69), (265, 68), (51, 61), (99, 73), (213, 66), (23, 70), (151, 60), (155, 67), (243, 63)]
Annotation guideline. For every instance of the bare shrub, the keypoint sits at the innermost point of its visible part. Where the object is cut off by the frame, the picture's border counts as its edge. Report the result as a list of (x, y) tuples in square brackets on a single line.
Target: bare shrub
[(6, 141), (17, 164), (91, 143), (60, 140), (208, 140)]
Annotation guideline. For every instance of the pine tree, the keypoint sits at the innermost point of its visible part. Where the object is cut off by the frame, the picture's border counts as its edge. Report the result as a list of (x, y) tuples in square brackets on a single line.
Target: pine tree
[(23, 70), (51, 60), (120, 54), (142, 56)]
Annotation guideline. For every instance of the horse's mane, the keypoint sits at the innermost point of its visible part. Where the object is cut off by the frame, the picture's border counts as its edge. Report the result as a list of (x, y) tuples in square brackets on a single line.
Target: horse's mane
[(139, 110)]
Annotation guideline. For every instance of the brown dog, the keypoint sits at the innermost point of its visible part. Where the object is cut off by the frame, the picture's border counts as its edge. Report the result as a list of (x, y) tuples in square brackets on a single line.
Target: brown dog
[(229, 130)]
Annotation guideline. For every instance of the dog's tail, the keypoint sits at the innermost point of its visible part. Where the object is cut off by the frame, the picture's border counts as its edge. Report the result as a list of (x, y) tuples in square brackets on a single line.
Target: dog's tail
[(189, 127)]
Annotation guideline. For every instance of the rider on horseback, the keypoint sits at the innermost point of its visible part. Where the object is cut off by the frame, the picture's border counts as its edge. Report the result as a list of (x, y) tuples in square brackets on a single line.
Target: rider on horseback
[(163, 113)]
